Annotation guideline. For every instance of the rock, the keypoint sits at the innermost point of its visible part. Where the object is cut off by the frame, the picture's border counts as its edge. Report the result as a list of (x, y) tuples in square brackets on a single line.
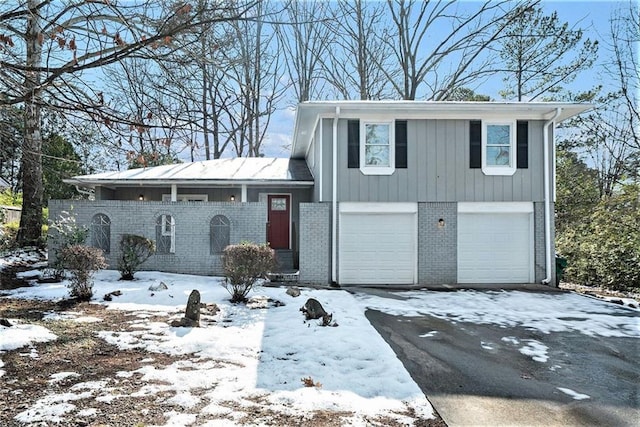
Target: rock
[(5, 322), (209, 309), (191, 317), (192, 312), (261, 301), (159, 287), (293, 291), (108, 297)]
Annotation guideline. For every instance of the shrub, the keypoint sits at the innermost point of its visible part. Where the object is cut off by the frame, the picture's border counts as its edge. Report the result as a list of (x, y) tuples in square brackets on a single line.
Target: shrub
[(243, 265), (134, 251), (604, 250), (82, 262), (8, 233), (67, 233)]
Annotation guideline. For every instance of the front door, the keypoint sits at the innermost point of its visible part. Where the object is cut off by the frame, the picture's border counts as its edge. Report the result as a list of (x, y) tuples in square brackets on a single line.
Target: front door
[(279, 220)]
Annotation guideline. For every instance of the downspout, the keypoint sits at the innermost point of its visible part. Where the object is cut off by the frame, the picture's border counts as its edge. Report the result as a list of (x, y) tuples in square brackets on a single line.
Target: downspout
[(334, 199), (547, 195)]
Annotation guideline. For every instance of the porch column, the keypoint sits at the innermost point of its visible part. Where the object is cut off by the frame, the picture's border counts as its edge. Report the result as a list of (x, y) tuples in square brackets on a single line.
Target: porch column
[(243, 197), (174, 193)]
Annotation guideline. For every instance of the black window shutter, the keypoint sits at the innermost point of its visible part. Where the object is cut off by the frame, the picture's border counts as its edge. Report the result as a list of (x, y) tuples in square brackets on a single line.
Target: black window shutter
[(475, 144), (401, 144), (353, 144), (522, 144)]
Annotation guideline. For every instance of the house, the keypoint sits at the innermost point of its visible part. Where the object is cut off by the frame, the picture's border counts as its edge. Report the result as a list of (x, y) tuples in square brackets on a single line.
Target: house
[(425, 193)]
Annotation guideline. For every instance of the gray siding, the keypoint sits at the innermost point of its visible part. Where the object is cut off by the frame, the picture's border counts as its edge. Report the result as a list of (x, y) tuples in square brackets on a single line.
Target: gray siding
[(192, 244), (327, 157), (438, 169)]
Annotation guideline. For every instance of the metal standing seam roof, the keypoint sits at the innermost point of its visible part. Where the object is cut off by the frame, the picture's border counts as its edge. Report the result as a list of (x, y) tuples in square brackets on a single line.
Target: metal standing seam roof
[(250, 170)]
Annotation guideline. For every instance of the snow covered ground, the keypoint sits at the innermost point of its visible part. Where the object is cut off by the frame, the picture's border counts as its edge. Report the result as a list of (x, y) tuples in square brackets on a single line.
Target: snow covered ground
[(240, 354), (262, 355)]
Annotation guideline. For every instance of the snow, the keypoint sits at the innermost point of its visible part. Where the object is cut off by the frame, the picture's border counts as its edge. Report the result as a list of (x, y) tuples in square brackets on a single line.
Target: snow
[(260, 356), (546, 313), (240, 354), (574, 394)]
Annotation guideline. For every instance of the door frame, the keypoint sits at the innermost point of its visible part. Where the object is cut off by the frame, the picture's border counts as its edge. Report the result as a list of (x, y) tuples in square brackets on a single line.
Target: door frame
[(264, 197)]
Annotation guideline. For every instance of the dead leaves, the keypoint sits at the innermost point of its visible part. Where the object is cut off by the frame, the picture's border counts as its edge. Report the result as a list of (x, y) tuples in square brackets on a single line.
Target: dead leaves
[(308, 382)]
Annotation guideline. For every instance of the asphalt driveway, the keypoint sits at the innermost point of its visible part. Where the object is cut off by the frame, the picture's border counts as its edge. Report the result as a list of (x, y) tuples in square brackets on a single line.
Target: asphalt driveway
[(498, 363)]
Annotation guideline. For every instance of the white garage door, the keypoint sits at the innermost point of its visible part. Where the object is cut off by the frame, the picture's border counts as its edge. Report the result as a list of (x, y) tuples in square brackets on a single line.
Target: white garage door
[(495, 243), (377, 243)]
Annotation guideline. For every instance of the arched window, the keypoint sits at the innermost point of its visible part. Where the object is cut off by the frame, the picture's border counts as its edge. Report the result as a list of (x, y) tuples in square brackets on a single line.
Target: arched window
[(165, 235), (101, 232), (220, 230)]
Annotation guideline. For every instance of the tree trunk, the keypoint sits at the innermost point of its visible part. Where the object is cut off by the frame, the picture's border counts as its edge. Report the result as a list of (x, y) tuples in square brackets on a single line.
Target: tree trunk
[(31, 219)]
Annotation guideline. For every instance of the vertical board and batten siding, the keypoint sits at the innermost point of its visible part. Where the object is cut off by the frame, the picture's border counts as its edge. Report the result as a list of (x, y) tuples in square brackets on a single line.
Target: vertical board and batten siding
[(437, 169)]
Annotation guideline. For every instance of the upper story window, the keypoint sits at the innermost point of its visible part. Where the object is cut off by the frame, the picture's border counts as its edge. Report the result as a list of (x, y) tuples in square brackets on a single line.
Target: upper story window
[(498, 147), (377, 147), (165, 235), (101, 232), (377, 152)]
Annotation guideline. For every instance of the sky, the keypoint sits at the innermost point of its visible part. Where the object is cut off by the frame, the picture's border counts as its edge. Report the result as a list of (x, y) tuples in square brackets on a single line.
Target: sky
[(592, 16)]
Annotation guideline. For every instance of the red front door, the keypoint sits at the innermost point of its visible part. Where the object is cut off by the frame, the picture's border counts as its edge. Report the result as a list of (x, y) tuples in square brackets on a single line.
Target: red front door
[(279, 214)]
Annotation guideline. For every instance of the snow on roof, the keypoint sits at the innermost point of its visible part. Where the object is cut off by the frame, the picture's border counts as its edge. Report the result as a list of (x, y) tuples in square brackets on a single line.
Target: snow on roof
[(236, 170), (3, 183)]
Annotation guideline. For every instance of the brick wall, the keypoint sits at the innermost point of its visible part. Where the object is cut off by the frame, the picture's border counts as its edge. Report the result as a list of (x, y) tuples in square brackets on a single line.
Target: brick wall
[(437, 246), (192, 219), (315, 243)]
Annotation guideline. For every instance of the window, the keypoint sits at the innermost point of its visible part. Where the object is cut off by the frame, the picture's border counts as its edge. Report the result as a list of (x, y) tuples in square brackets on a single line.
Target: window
[(220, 231), (498, 148), (101, 232), (165, 235), (494, 147), (187, 198), (376, 149)]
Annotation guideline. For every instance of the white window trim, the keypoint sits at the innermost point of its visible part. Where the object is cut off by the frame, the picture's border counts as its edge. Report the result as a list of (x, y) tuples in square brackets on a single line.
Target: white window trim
[(377, 170), (499, 170), (187, 198)]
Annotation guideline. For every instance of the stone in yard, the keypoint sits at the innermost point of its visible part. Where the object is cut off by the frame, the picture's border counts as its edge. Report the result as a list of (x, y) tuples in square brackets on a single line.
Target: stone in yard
[(159, 287), (5, 322), (192, 312), (294, 291)]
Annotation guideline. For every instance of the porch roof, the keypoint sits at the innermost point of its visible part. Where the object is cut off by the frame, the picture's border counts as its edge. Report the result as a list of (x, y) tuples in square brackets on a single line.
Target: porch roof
[(241, 170)]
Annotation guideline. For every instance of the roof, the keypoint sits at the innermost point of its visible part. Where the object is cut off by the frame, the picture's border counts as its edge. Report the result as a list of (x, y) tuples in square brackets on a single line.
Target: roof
[(3, 183), (241, 170), (308, 113)]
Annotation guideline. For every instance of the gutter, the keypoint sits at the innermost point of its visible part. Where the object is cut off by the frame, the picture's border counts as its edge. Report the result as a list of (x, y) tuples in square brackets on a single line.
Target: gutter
[(547, 195), (334, 199)]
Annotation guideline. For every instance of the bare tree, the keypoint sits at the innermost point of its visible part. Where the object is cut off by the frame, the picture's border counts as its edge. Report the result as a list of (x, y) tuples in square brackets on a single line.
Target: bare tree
[(540, 53), (304, 37), (255, 75), (47, 47), (429, 36), (357, 59)]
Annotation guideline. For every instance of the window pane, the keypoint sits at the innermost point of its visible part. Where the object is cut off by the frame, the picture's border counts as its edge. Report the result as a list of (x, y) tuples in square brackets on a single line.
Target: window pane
[(377, 134), (498, 156), (220, 233), (376, 155), (165, 234), (101, 232), (498, 135), (278, 204)]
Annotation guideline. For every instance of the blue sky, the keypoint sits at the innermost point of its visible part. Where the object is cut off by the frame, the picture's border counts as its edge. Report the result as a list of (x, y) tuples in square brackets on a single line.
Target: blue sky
[(591, 16)]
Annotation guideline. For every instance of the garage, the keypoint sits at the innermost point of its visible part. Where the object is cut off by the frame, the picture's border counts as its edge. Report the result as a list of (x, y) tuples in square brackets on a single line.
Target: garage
[(377, 243), (495, 242)]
